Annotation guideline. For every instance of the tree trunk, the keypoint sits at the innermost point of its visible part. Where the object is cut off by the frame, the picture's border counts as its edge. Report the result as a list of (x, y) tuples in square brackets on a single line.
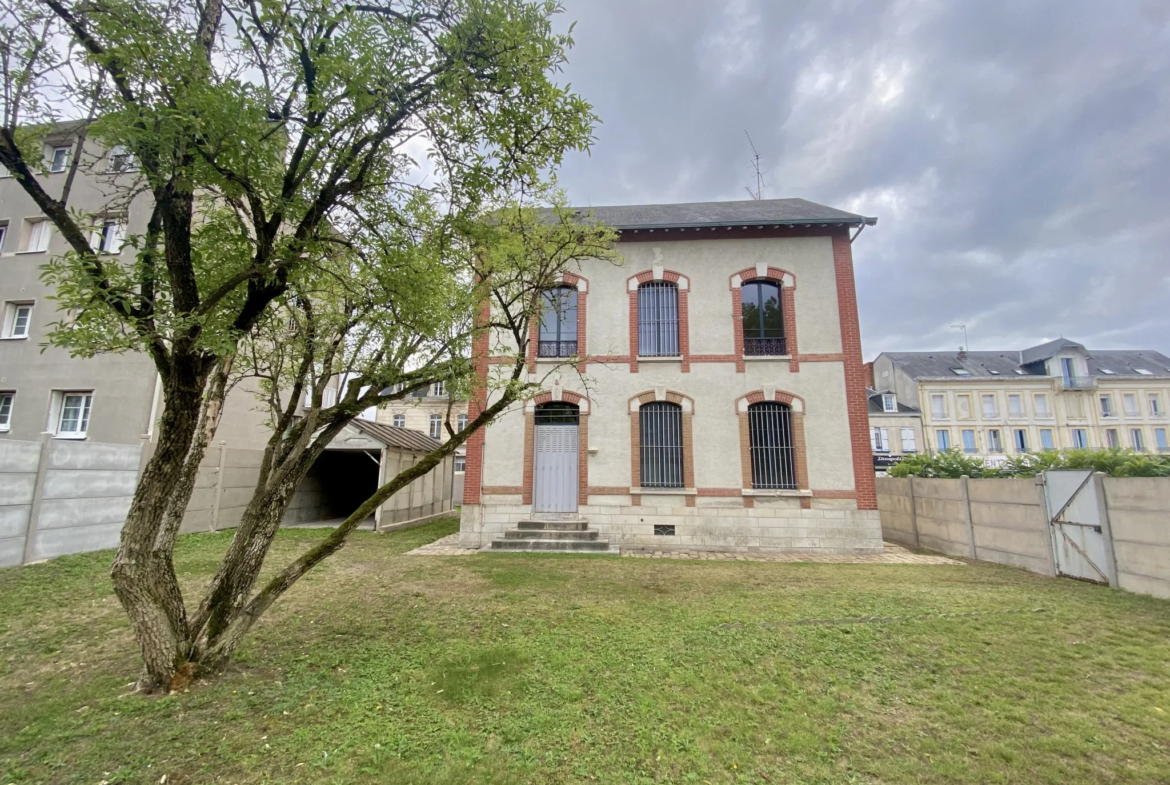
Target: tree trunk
[(148, 594)]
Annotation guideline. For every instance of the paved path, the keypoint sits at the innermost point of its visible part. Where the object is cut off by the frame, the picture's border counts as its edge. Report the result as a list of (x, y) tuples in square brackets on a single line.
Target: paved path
[(891, 554)]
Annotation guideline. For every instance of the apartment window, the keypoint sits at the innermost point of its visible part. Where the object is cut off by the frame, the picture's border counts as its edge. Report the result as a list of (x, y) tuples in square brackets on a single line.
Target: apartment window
[(994, 440), (1137, 439), (399, 421), (7, 399), (38, 237), (558, 323), (436, 426), (889, 403), (1021, 438), (658, 319), (1046, 440), (72, 414), (1160, 440), (1112, 439), (438, 388), (110, 236), (121, 160), (1067, 371), (990, 409), (59, 159), (908, 441), (1015, 406), (1155, 401), (763, 323), (1041, 402), (328, 397), (879, 439), (3, 233), (660, 440), (461, 422), (943, 440), (1080, 438), (1130, 402), (938, 407), (460, 463), (969, 441), (1106, 405), (17, 319), (964, 405), (770, 443)]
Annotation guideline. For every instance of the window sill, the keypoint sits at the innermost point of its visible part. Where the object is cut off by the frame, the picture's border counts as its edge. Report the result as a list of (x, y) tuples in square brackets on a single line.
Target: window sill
[(676, 358), (570, 359), (767, 358), (22, 253), (768, 492), (664, 491), (14, 338), (75, 437)]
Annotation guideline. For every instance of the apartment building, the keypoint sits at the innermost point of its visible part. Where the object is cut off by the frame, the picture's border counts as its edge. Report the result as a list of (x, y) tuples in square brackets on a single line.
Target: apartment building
[(1058, 395), (112, 398), (707, 394), (895, 430), (426, 411)]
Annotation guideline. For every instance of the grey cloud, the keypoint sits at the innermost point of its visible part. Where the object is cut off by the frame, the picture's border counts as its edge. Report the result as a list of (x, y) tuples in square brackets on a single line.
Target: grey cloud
[(1016, 153)]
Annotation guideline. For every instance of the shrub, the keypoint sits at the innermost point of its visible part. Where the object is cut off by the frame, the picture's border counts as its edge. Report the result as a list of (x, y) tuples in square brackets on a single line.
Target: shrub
[(952, 464)]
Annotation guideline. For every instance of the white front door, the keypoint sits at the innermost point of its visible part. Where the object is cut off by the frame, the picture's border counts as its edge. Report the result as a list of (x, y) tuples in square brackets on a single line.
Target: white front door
[(555, 472)]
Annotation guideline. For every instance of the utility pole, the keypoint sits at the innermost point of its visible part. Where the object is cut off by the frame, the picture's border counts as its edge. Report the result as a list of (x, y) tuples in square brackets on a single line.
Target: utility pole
[(962, 327)]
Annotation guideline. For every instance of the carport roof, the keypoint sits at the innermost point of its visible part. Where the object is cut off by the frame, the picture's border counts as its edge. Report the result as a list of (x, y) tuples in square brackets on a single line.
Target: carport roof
[(400, 438)]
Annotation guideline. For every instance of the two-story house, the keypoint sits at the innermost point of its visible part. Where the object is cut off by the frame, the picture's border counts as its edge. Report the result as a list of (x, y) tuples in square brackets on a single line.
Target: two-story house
[(1058, 395), (716, 397)]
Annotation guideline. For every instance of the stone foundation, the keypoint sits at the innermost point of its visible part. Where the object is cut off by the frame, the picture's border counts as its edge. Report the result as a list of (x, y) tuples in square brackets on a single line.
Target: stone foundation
[(772, 525)]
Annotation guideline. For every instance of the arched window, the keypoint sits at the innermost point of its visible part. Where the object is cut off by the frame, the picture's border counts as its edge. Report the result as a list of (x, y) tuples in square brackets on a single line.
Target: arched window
[(763, 322), (658, 319), (661, 442), (558, 323), (773, 454)]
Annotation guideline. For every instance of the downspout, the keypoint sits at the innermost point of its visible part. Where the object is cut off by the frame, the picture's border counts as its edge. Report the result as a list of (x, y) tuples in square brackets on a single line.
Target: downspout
[(864, 223), (153, 408)]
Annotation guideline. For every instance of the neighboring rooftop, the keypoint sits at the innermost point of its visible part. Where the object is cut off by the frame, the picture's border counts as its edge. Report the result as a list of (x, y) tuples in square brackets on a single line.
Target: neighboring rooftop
[(876, 406), (751, 212), (1013, 364), (402, 438)]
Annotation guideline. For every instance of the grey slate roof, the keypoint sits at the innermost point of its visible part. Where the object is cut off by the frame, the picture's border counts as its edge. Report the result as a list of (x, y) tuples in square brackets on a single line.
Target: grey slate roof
[(401, 438), (763, 212), (1005, 364), (876, 407)]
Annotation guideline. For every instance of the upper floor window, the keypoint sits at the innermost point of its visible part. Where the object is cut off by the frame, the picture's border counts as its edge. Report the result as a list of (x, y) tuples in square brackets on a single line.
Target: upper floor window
[(770, 442), (879, 439), (3, 232), (1160, 440), (909, 443), (994, 441), (661, 444), (1080, 438), (889, 403), (1046, 440), (1106, 405), (1015, 405), (399, 421), (328, 397), (7, 399), (990, 409), (72, 414), (121, 160), (438, 389), (461, 422), (1156, 405), (658, 319), (1041, 402), (1112, 439), (17, 319), (943, 439), (1137, 439), (37, 236), (436, 426), (110, 235), (59, 158), (763, 321), (460, 462), (558, 323), (938, 406), (1131, 404)]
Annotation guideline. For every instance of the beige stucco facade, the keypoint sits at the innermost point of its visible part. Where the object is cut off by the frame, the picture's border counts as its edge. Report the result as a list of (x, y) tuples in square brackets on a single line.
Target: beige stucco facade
[(125, 399), (714, 384)]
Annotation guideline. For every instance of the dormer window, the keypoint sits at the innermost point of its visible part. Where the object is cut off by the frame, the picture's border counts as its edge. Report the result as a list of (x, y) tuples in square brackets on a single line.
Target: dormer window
[(1107, 372), (1144, 371), (889, 403)]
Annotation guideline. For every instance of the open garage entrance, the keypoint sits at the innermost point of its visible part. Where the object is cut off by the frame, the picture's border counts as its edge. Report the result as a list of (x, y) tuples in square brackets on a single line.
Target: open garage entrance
[(345, 479)]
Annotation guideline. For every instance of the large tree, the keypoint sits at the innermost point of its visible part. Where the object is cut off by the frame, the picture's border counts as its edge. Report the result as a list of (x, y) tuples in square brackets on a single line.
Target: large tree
[(260, 130)]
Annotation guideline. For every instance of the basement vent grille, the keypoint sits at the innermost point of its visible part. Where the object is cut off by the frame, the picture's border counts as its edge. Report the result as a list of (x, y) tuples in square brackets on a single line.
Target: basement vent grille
[(663, 530)]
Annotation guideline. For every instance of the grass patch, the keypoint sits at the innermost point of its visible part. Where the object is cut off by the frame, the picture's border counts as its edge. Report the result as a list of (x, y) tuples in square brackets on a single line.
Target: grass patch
[(380, 667)]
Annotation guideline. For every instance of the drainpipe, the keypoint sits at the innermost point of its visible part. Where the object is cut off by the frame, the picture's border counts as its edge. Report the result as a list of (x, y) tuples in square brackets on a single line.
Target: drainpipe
[(865, 222)]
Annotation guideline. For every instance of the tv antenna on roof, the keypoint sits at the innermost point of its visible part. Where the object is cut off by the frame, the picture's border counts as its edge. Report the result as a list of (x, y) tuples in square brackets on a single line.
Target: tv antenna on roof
[(757, 194)]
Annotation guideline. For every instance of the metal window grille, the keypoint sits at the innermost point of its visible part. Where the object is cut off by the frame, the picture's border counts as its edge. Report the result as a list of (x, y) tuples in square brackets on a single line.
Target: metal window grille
[(773, 454), (661, 445), (558, 323), (557, 414), (658, 319), (664, 530), (763, 322)]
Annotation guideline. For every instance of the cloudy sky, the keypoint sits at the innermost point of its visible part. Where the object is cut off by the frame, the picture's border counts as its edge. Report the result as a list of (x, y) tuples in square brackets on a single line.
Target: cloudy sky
[(1016, 153)]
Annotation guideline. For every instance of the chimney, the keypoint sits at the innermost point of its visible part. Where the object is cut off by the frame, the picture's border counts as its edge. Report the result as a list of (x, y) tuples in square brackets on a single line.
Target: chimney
[(868, 368), (962, 353)]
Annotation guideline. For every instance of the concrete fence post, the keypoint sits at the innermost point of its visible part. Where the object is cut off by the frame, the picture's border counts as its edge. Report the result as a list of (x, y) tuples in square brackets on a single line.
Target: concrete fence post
[(1106, 529), (967, 506), (1040, 486), (34, 513), (218, 486), (913, 513)]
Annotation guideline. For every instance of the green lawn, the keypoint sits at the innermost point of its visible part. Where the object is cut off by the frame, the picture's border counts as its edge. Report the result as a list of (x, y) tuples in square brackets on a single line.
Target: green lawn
[(383, 668)]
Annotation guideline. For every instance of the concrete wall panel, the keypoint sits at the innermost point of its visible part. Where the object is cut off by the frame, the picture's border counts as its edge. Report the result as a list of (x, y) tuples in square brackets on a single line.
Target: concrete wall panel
[(92, 456), (89, 484), (20, 457), (67, 513)]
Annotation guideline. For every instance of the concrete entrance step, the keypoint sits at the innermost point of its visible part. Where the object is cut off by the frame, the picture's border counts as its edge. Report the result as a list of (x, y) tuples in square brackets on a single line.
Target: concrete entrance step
[(564, 525), (551, 534), (552, 546)]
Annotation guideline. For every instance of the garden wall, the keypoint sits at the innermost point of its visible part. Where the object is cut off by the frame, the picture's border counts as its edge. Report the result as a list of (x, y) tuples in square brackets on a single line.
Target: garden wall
[(1006, 522)]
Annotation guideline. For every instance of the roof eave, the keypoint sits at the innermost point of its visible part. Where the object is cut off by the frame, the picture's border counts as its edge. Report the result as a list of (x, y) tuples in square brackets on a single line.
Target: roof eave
[(858, 221)]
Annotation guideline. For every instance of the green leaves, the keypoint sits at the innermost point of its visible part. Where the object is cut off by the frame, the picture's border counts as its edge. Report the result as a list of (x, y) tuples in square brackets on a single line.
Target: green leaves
[(953, 464)]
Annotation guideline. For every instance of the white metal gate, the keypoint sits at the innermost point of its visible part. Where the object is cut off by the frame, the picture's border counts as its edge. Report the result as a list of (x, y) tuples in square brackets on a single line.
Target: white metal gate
[(555, 472), (1081, 547)]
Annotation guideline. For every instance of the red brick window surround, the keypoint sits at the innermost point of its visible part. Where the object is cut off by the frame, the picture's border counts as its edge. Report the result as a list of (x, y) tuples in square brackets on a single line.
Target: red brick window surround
[(633, 284), (687, 405), (799, 445), (787, 283), (584, 407), (582, 284)]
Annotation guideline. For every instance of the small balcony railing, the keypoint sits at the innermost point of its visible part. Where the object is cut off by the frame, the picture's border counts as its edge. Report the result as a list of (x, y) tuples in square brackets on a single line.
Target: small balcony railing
[(556, 349), (1078, 382), (764, 347)]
